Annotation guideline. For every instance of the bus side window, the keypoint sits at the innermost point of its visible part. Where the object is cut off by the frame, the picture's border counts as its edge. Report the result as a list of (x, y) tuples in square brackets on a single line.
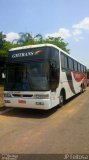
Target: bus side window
[(85, 69), (75, 65), (71, 66), (64, 61), (79, 69)]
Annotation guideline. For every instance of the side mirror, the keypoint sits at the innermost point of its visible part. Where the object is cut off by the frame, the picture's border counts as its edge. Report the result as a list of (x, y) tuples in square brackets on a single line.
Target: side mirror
[(54, 76), (54, 70)]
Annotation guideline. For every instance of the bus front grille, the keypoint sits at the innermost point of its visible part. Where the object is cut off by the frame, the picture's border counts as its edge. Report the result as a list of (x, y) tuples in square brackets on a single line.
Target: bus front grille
[(22, 95)]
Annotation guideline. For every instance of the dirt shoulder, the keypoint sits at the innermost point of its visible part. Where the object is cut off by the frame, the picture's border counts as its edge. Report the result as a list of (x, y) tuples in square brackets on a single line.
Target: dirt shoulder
[(1, 96)]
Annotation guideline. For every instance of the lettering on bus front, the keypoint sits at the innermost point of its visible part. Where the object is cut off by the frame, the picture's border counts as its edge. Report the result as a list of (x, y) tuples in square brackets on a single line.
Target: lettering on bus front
[(22, 54)]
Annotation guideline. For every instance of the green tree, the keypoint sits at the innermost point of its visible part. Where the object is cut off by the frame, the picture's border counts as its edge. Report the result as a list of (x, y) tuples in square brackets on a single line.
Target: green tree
[(2, 40), (59, 42), (28, 39), (25, 38), (3, 45), (38, 38)]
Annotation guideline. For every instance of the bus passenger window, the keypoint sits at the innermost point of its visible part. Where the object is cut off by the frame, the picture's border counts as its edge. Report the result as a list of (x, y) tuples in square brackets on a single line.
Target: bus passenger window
[(75, 66), (79, 69), (64, 61), (70, 64)]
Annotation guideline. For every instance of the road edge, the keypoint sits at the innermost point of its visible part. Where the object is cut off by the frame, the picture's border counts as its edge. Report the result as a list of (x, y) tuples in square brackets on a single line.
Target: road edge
[(5, 111)]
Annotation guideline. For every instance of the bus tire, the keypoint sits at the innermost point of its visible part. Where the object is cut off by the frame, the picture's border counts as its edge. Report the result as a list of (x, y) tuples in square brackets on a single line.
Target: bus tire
[(62, 98), (82, 88)]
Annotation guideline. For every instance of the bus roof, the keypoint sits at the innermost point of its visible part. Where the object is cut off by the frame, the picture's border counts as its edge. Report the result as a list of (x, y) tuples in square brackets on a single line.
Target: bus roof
[(44, 45), (33, 46)]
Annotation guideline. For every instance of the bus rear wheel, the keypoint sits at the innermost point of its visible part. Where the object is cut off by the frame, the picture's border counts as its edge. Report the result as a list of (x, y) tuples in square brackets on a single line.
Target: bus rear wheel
[(82, 88)]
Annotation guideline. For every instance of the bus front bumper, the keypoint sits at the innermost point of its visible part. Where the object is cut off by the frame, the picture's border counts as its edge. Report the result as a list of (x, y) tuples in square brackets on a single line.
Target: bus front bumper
[(44, 104)]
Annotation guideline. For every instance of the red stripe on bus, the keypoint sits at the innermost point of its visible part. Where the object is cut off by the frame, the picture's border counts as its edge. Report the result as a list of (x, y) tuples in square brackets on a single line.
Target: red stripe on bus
[(78, 76)]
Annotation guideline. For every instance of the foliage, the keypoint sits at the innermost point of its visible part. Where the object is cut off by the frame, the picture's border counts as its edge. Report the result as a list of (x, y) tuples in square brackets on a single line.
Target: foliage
[(58, 42), (4, 45), (28, 39)]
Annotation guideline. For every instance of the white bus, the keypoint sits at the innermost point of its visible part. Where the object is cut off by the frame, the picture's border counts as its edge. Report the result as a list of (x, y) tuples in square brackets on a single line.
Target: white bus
[(42, 76)]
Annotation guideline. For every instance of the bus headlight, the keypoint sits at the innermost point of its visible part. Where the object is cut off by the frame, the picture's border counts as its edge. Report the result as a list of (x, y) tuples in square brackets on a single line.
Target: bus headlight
[(7, 101), (7, 95), (38, 96)]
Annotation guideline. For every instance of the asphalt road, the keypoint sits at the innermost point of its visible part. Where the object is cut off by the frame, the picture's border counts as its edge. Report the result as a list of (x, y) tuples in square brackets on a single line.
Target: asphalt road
[(60, 130)]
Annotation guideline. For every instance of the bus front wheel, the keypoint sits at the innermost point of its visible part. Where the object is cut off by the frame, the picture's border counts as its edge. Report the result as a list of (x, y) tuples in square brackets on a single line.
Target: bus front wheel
[(61, 98)]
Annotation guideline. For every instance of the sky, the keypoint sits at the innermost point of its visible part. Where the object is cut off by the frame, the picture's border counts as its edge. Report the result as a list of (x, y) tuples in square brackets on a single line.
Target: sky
[(66, 18)]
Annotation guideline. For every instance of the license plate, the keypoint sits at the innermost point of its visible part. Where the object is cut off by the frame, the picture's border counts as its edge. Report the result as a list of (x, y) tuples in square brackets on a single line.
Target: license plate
[(22, 101)]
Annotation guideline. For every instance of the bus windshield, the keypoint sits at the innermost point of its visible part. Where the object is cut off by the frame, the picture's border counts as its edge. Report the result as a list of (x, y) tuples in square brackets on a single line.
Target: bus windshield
[(32, 76)]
